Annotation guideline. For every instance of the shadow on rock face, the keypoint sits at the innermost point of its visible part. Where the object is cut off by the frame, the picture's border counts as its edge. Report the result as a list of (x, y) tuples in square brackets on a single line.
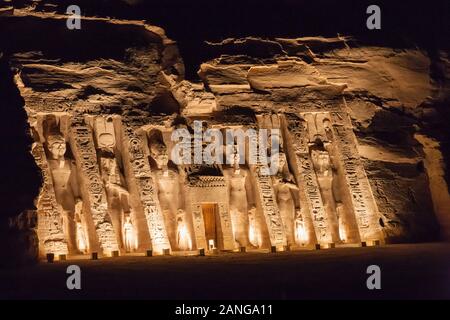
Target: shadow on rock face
[(21, 241), (20, 177)]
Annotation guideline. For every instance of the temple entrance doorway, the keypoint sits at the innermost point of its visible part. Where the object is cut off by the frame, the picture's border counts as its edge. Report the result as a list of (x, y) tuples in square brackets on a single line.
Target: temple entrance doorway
[(209, 211)]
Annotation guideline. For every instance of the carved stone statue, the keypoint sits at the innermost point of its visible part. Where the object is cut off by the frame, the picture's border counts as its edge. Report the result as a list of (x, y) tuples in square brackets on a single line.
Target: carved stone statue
[(283, 184), (238, 204), (169, 190), (129, 234), (65, 182), (325, 172), (184, 241), (113, 179), (116, 192)]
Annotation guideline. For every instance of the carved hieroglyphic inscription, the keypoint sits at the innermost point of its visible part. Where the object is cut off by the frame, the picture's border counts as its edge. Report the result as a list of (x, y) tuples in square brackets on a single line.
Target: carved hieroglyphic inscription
[(363, 202), (92, 187), (264, 189), (50, 225), (307, 177), (146, 188), (199, 226), (265, 192), (225, 223)]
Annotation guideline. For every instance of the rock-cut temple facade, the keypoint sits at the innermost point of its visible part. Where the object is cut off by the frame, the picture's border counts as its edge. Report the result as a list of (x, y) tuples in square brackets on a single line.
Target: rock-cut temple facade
[(102, 127)]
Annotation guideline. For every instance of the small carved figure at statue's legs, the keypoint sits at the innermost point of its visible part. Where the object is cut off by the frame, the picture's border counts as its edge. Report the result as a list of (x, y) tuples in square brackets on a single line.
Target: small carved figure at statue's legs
[(184, 241), (253, 234), (341, 222), (129, 234), (81, 237)]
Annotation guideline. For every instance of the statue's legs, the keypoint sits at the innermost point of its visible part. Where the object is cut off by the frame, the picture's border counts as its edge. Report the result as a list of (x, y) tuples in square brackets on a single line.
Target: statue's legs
[(115, 213), (183, 238), (116, 220), (333, 224), (287, 212), (241, 228), (70, 232), (171, 227)]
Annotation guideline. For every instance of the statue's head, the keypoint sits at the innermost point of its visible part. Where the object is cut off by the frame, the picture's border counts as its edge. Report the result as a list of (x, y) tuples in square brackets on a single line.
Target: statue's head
[(235, 157), (158, 151), (56, 146)]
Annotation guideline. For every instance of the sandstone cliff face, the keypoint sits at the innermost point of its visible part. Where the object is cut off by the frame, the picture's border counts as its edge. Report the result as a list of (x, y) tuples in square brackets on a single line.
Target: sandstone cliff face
[(116, 71), (393, 95), (397, 98)]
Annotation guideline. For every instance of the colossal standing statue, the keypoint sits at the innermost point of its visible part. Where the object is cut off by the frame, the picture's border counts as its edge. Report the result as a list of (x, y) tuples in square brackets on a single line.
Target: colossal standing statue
[(65, 183), (113, 179), (169, 191), (238, 188), (284, 183), (326, 177)]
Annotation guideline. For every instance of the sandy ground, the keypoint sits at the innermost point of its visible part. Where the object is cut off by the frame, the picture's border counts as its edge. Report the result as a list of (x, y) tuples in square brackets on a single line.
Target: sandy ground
[(420, 271)]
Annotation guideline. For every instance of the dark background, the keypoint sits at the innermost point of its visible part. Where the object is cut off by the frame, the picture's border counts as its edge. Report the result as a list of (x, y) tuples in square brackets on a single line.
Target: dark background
[(404, 24)]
